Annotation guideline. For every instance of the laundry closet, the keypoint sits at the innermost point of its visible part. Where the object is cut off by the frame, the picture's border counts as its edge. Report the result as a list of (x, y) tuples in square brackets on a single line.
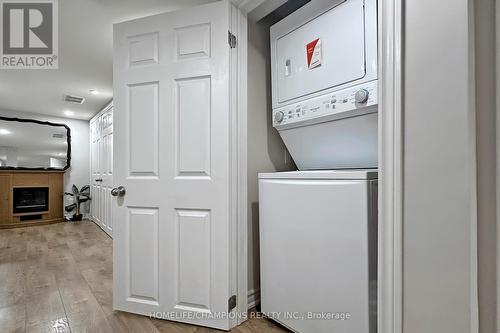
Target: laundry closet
[(316, 220)]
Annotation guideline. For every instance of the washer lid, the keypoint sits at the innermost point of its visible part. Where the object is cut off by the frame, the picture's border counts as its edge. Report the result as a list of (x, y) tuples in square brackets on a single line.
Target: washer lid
[(322, 174)]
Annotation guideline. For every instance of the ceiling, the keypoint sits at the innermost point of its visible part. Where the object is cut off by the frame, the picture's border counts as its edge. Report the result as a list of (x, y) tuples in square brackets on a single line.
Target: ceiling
[(85, 58)]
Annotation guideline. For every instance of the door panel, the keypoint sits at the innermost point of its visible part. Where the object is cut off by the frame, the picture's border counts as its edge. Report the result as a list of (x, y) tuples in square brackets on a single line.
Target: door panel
[(95, 167), (193, 253), (193, 114), (143, 49), (102, 169), (143, 252), (193, 42), (171, 229), (107, 184), (143, 123)]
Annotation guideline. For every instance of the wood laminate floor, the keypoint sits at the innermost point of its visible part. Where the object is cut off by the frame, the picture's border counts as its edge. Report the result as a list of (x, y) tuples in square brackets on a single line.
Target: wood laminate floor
[(58, 278)]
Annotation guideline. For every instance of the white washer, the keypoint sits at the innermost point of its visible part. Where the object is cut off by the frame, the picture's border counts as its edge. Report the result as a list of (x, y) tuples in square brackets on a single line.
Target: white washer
[(318, 249)]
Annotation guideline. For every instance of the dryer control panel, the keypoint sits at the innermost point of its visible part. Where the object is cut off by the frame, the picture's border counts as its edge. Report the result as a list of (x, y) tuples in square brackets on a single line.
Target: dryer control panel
[(335, 105)]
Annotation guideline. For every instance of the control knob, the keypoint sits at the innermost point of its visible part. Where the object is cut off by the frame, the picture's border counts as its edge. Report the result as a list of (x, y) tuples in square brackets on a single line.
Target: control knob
[(361, 96), (279, 116)]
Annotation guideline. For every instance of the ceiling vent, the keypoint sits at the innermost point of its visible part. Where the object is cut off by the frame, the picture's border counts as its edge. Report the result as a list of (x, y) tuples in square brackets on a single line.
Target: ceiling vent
[(74, 99)]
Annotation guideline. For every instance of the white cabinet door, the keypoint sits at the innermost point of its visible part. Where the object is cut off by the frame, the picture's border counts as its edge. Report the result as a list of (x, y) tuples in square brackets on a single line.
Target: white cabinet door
[(172, 155), (102, 169), (95, 142)]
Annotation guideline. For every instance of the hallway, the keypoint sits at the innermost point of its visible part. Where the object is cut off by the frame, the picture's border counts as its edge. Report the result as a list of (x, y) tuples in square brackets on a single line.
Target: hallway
[(58, 278)]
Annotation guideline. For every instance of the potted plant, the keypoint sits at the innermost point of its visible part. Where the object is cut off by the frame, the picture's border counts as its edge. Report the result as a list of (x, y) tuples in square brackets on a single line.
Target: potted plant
[(79, 196)]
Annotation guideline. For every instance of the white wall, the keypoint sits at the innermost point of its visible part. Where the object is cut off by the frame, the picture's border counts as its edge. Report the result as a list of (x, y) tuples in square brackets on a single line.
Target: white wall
[(439, 163), (266, 151), (79, 172)]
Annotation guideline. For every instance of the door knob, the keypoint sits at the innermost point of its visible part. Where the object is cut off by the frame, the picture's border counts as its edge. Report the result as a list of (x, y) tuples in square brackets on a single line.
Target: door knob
[(118, 191)]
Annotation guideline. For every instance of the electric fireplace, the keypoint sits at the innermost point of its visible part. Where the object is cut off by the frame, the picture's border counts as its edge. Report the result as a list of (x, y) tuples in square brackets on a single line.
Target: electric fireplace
[(30, 199)]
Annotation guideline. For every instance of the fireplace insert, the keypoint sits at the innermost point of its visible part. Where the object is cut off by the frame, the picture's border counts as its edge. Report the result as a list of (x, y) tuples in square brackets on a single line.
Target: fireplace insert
[(30, 199)]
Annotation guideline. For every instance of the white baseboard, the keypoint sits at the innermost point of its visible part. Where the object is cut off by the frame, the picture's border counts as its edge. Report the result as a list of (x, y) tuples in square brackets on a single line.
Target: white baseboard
[(253, 298)]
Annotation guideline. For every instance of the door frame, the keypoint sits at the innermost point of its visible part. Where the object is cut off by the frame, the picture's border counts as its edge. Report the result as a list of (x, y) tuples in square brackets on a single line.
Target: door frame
[(391, 171), (238, 105), (390, 138)]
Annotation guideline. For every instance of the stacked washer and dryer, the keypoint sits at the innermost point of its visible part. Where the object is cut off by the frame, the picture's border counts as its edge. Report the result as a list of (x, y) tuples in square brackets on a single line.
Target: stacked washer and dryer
[(318, 225)]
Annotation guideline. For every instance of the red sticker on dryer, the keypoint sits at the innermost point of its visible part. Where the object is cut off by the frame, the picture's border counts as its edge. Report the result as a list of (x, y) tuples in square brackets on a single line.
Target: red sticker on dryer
[(314, 53)]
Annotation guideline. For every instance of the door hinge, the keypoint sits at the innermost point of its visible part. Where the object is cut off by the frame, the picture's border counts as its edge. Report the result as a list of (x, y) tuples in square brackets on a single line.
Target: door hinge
[(231, 303), (231, 39)]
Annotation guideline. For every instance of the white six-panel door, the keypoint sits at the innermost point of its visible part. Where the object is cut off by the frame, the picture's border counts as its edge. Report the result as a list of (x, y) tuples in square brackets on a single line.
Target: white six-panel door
[(101, 133), (172, 155)]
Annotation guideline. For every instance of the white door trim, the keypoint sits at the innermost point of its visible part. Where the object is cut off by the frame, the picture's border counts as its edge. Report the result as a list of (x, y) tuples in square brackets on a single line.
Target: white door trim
[(474, 270), (390, 243), (391, 154)]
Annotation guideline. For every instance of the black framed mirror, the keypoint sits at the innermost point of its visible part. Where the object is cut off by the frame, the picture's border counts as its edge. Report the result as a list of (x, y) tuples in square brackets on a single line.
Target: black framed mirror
[(28, 144)]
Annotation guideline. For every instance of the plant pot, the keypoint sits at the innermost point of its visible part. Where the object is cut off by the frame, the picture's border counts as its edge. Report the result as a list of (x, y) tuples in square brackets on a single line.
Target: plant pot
[(76, 217)]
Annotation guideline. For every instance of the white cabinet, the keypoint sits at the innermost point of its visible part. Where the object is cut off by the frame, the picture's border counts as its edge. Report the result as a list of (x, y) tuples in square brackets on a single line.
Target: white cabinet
[(101, 152)]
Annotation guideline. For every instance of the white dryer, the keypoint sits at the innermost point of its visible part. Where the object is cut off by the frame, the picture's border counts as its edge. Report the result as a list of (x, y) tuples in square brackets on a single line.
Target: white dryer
[(324, 84)]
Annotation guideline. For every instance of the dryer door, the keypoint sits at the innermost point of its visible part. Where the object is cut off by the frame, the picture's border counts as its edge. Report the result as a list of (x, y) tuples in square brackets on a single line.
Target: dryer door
[(325, 52)]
